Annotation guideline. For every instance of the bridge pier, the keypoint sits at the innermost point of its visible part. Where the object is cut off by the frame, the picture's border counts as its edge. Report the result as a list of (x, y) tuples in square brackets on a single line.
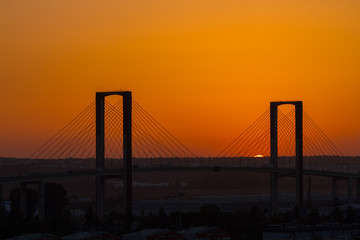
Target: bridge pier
[(23, 196), (100, 192), (334, 189), (357, 190), (350, 197), (349, 189), (274, 181), (100, 196), (1, 197), (41, 203)]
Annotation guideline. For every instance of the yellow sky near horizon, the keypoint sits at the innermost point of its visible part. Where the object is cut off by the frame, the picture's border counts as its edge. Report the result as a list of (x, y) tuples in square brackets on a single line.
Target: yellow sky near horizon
[(205, 69)]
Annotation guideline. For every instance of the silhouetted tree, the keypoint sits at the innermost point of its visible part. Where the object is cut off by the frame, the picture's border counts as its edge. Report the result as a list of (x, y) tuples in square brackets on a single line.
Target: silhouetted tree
[(210, 214), (31, 203), (14, 197), (337, 215), (297, 214), (3, 220), (162, 217), (313, 217), (142, 212), (115, 220), (350, 215), (256, 216), (20, 222), (89, 218), (336, 202), (57, 215)]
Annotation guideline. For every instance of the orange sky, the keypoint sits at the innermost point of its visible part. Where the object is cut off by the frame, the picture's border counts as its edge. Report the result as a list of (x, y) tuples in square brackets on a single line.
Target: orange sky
[(205, 69)]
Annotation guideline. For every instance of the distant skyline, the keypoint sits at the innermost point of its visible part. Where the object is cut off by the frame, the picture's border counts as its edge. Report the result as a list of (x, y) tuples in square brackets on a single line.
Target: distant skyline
[(204, 69)]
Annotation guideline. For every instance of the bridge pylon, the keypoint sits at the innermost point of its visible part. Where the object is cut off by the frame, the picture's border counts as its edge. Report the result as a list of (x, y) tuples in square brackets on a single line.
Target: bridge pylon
[(127, 153), (274, 177)]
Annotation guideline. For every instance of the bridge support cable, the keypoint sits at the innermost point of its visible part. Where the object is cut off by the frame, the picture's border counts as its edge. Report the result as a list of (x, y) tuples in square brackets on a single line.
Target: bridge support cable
[(138, 141), (325, 138), (315, 157), (152, 135), (247, 149), (58, 135), (327, 154), (229, 149), (317, 147), (76, 138), (113, 134), (320, 145), (308, 147), (136, 147), (251, 147), (69, 137), (73, 147), (286, 139), (172, 141), (58, 147), (314, 145), (153, 147), (144, 139), (287, 134), (256, 140)]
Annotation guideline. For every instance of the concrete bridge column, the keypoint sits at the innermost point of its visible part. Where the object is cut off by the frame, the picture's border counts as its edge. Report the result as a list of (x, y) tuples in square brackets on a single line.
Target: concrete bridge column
[(100, 131), (1, 197), (41, 192), (274, 180), (100, 153), (299, 155), (334, 188), (357, 190), (350, 197), (127, 154), (100, 196), (23, 199), (274, 192)]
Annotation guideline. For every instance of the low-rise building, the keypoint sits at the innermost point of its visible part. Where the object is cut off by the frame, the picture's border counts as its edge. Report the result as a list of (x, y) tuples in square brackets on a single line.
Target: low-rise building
[(36, 236), (205, 233), (153, 234), (93, 235), (311, 232)]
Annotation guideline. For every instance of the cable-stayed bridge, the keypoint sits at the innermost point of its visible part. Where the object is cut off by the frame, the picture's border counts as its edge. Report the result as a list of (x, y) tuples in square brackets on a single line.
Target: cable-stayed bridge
[(74, 146), (111, 139)]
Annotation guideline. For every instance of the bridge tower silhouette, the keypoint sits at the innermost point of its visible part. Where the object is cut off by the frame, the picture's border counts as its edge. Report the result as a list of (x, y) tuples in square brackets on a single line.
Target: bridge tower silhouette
[(298, 151), (127, 152)]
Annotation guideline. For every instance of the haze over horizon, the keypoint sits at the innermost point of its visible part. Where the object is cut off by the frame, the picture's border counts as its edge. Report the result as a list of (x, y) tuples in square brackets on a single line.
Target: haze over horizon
[(204, 69)]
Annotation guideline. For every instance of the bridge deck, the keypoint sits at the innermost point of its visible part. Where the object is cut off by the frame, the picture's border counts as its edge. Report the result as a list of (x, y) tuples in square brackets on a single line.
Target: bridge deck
[(119, 173)]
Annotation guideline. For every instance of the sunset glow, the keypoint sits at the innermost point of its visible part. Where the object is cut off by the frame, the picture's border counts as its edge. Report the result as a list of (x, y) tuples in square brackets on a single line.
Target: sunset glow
[(206, 69)]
